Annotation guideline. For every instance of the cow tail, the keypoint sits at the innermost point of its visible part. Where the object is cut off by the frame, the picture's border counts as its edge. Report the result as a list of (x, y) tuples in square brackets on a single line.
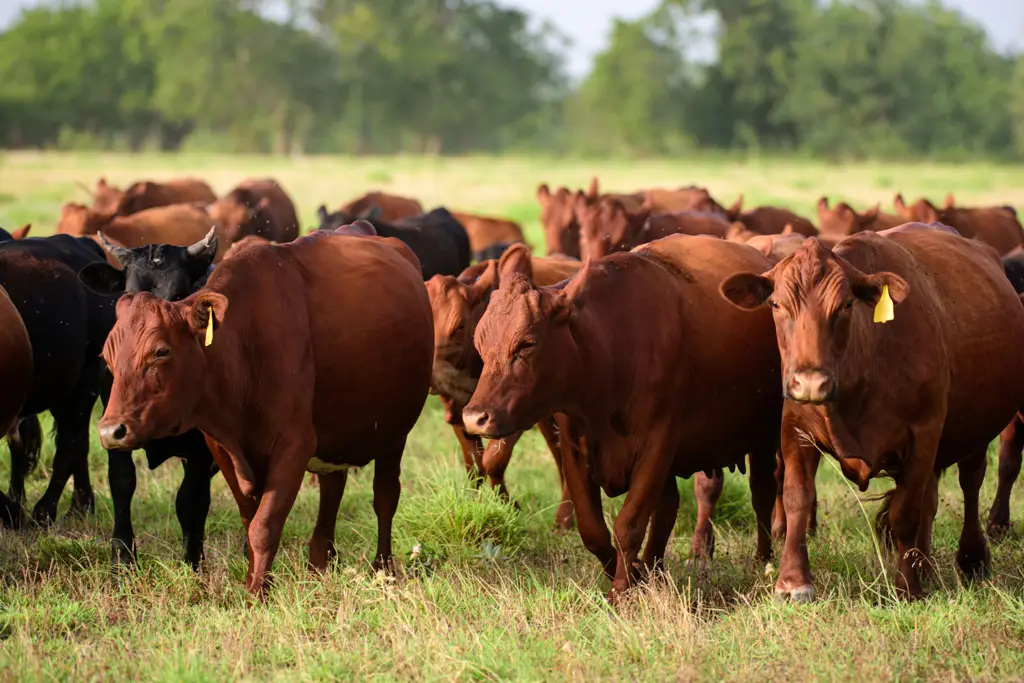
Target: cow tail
[(883, 525)]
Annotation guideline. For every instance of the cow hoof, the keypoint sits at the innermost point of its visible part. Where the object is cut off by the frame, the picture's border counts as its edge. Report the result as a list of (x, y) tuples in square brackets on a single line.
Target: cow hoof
[(43, 514), (769, 569), (194, 555), (11, 513), (802, 595), (122, 556), (82, 504), (997, 532), (697, 564)]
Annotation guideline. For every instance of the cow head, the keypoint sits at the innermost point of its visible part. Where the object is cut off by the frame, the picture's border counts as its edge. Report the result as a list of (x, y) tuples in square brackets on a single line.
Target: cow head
[(820, 302), (80, 221), (843, 219), (156, 355), (139, 197), (606, 226), (341, 218), (241, 213), (921, 211), (558, 217), (171, 273), (106, 197), (526, 344)]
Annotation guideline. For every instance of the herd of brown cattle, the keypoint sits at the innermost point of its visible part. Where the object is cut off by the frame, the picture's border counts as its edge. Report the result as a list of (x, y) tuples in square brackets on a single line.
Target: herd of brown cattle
[(690, 339)]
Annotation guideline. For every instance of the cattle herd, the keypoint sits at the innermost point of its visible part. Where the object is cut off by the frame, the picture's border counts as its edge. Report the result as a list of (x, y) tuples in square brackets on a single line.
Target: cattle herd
[(663, 335)]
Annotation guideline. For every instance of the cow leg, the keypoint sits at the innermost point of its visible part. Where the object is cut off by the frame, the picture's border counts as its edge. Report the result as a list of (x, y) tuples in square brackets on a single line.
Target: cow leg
[(586, 499), (763, 488), (564, 517), (972, 551), (25, 440), (71, 457), (247, 505), (663, 520), (284, 479), (496, 458), (192, 504), (1011, 445), (321, 545), (387, 487), (472, 454), (929, 508), (779, 513), (707, 490), (907, 502), (121, 472), (798, 496)]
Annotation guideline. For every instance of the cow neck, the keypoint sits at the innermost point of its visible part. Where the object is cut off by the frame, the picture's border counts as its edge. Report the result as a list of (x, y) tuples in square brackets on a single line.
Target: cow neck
[(586, 393), (219, 413)]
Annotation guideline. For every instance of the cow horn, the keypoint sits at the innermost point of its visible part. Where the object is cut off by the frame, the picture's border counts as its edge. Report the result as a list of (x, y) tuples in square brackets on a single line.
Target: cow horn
[(203, 244), (120, 253)]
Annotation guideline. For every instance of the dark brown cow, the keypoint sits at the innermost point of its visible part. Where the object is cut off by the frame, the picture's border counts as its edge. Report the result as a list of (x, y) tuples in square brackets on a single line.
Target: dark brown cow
[(458, 304), (693, 393), (770, 220), (908, 398), (148, 194), (844, 219), (321, 367), (608, 226), (485, 231), (390, 207), (16, 373), (179, 225), (256, 207), (996, 226)]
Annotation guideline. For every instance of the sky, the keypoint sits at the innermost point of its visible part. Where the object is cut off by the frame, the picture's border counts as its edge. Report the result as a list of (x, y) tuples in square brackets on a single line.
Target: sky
[(587, 22)]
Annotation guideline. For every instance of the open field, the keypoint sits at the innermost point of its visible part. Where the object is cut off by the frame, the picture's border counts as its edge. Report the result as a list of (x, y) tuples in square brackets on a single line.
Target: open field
[(494, 594)]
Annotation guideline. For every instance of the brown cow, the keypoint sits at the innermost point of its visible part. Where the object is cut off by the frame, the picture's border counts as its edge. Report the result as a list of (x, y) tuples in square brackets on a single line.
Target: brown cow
[(776, 247), (105, 197), (391, 207), (844, 219), (908, 398), (247, 241), (996, 226), (16, 373), (607, 226), (458, 304), (770, 220), (148, 194), (558, 215), (690, 198), (485, 231), (322, 367), (179, 225), (693, 393), (256, 207)]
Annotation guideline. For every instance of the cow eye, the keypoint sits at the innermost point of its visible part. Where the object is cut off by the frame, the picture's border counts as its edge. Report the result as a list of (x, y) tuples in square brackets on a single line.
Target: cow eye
[(774, 304), (523, 347), (162, 352), (849, 304)]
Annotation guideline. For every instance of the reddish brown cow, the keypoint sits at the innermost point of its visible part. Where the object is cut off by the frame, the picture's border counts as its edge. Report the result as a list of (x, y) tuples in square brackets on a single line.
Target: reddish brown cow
[(256, 207), (458, 304), (693, 393), (16, 373), (844, 219), (105, 197), (391, 207), (485, 231), (322, 367), (996, 226), (558, 215), (247, 241), (690, 198), (776, 247), (21, 233), (148, 194), (908, 398), (607, 226), (770, 220)]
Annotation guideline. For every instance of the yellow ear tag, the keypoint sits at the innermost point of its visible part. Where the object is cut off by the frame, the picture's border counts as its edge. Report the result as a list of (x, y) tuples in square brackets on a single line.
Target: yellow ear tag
[(883, 310), (209, 328)]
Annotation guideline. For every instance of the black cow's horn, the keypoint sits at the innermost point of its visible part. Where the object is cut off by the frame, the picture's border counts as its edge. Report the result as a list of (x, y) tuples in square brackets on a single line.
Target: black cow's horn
[(203, 244), (120, 253)]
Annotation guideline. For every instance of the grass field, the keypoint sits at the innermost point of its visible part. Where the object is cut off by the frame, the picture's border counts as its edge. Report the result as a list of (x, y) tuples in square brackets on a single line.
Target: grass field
[(494, 593)]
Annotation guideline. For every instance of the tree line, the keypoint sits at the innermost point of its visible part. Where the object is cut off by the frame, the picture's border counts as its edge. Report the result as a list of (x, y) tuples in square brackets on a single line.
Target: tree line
[(846, 78)]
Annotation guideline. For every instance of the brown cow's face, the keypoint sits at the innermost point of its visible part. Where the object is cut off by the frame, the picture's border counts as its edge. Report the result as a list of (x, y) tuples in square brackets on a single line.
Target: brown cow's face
[(524, 341), (155, 355), (843, 220), (78, 220), (604, 227), (921, 211), (559, 219), (457, 308), (237, 219), (820, 303), (106, 197)]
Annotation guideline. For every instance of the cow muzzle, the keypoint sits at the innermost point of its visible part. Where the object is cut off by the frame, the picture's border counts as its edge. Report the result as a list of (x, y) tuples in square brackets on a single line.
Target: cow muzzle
[(483, 422), (811, 386), (115, 436)]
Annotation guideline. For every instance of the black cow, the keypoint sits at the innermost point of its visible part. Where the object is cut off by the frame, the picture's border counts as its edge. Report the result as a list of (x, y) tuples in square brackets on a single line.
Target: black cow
[(492, 253), (437, 238), (67, 325), (172, 273), (1013, 264)]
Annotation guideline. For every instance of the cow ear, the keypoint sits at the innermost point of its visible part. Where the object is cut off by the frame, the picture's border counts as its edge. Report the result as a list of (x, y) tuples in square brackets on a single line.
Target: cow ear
[(516, 259), (204, 305), (483, 285), (822, 207), (736, 209), (594, 191), (22, 232), (322, 214), (543, 193), (868, 288), (747, 290), (573, 296), (950, 202), (871, 215), (123, 305), (103, 278), (899, 204), (580, 203), (788, 230)]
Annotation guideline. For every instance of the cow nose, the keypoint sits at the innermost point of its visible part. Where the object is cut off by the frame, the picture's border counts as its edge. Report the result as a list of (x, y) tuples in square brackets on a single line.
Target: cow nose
[(476, 421), (113, 436), (811, 386)]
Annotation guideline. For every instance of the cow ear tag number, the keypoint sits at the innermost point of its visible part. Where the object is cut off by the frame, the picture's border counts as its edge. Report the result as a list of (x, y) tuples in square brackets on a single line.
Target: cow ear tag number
[(209, 328), (883, 310)]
